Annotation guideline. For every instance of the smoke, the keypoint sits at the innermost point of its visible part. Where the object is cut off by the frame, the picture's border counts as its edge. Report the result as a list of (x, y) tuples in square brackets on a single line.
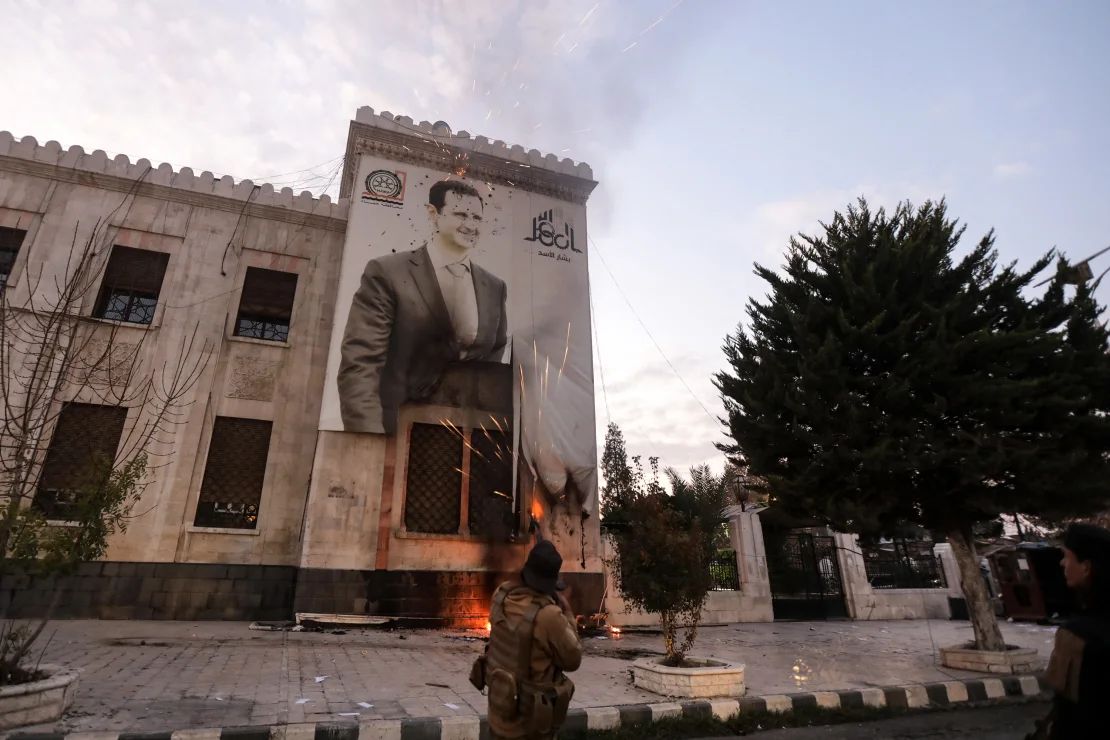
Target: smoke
[(254, 88)]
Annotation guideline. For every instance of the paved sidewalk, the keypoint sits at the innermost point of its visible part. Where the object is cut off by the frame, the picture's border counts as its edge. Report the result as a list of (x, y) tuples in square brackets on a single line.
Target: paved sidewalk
[(175, 675)]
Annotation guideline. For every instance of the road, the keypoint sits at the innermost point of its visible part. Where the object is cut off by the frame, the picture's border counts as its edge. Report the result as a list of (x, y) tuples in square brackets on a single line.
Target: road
[(1010, 722)]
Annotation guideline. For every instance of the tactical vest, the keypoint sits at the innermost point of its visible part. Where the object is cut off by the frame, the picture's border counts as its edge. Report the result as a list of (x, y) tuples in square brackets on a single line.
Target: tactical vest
[(511, 650), (512, 693)]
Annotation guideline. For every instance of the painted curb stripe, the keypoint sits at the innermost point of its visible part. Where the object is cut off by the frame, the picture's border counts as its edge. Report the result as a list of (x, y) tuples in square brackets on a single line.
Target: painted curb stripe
[(896, 698), (602, 718), (851, 699), (576, 721), (1030, 686), (697, 709), (753, 704), (665, 710), (460, 728), (957, 691), (994, 688), (917, 696), (420, 728), (937, 693), (976, 691), (723, 708), (778, 702), (873, 697), (598, 718), (382, 729), (632, 714), (251, 733)]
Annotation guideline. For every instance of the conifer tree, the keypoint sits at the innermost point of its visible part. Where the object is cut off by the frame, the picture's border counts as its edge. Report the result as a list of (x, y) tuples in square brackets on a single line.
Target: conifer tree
[(887, 381)]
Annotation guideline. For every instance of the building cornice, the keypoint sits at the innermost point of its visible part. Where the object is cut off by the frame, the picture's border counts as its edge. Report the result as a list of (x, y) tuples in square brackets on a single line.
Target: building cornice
[(25, 156), (436, 147)]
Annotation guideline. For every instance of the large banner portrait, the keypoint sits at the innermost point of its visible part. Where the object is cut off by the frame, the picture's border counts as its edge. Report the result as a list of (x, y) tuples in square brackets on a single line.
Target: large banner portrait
[(441, 273)]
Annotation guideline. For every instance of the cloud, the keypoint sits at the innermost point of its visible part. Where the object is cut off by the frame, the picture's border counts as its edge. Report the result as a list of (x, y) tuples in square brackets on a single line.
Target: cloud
[(1012, 169), (266, 87), (659, 416), (768, 229)]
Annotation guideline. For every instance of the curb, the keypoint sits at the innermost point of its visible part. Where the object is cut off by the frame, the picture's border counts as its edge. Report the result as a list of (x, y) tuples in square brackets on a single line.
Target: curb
[(913, 696)]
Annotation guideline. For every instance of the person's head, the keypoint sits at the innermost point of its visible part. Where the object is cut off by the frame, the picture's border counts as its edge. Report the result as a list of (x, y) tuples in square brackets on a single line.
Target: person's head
[(541, 570), (1086, 562), (456, 211)]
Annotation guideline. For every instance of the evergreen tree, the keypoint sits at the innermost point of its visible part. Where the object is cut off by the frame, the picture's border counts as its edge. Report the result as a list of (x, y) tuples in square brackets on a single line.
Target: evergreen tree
[(884, 381)]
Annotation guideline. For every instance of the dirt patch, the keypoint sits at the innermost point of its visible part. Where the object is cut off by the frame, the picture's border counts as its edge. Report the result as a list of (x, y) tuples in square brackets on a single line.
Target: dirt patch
[(625, 653), (137, 642)]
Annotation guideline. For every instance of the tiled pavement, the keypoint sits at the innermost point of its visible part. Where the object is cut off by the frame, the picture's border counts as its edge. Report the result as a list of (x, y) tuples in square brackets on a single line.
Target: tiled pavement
[(176, 675)]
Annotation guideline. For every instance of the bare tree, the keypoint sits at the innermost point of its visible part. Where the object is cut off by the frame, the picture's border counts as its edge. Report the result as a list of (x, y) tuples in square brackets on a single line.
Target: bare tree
[(51, 354)]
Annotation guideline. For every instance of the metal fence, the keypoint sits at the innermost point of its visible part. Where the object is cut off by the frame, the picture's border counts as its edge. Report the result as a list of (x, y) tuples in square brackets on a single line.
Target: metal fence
[(903, 564), (722, 569)]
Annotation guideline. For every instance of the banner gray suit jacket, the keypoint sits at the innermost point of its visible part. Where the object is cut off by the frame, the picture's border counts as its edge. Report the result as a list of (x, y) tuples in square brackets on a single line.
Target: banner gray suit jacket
[(399, 337)]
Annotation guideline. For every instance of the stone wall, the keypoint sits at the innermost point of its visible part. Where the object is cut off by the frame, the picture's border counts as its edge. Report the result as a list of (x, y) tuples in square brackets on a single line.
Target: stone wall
[(865, 602), (751, 603), (213, 229), (120, 590)]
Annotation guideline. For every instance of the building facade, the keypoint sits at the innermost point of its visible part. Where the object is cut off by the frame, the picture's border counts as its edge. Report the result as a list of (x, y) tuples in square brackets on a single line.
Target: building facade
[(263, 504)]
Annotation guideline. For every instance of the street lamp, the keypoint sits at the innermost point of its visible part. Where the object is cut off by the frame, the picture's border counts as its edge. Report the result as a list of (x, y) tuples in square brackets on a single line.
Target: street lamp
[(1080, 272)]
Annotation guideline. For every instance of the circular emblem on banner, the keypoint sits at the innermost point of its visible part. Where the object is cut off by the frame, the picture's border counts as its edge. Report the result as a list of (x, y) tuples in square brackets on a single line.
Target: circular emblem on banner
[(383, 184)]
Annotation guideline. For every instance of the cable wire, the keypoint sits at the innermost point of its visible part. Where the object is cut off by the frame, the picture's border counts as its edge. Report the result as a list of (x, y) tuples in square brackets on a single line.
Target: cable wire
[(647, 331)]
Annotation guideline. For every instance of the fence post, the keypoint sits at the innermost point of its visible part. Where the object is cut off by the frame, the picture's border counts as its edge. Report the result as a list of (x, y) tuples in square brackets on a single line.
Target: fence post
[(952, 579), (746, 533), (859, 597)]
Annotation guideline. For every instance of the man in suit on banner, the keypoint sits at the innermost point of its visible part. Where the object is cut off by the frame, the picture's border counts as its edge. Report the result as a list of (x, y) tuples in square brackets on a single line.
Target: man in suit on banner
[(417, 311)]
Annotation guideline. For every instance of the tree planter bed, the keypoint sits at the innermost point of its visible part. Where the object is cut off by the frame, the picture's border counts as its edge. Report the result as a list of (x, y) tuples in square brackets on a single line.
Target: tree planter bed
[(703, 678), (33, 702), (1012, 660)]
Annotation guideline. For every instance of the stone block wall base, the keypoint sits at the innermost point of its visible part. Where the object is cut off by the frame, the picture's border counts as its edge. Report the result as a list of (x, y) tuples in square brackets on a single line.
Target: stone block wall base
[(38, 701), (1008, 662), (708, 678)]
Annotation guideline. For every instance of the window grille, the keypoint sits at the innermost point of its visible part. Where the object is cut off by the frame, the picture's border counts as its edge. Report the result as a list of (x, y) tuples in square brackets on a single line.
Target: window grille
[(460, 481), (266, 304), (131, 286), (434, 484), (234, 473), (81, 452)]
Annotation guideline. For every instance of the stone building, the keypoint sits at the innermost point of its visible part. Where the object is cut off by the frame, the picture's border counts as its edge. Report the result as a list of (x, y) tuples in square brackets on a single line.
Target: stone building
[(258, 513)]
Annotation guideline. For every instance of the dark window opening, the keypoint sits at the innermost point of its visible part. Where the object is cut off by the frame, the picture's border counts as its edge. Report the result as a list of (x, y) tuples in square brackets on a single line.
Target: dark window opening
[(266, 305), (234, 473), (132, 283), (490, 504), (80, 457), (10, 242)]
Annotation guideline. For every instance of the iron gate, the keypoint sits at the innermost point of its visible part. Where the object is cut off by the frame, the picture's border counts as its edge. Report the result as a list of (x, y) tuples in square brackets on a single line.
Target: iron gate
[(805, 577)]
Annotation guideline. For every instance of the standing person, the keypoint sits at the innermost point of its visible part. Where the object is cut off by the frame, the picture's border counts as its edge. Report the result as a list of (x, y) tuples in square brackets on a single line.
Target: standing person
[(1079, 669), (416, 312), (533, 642)]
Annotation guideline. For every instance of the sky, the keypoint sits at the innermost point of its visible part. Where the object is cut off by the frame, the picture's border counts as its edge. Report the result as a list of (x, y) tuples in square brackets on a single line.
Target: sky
[(716, 129)]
